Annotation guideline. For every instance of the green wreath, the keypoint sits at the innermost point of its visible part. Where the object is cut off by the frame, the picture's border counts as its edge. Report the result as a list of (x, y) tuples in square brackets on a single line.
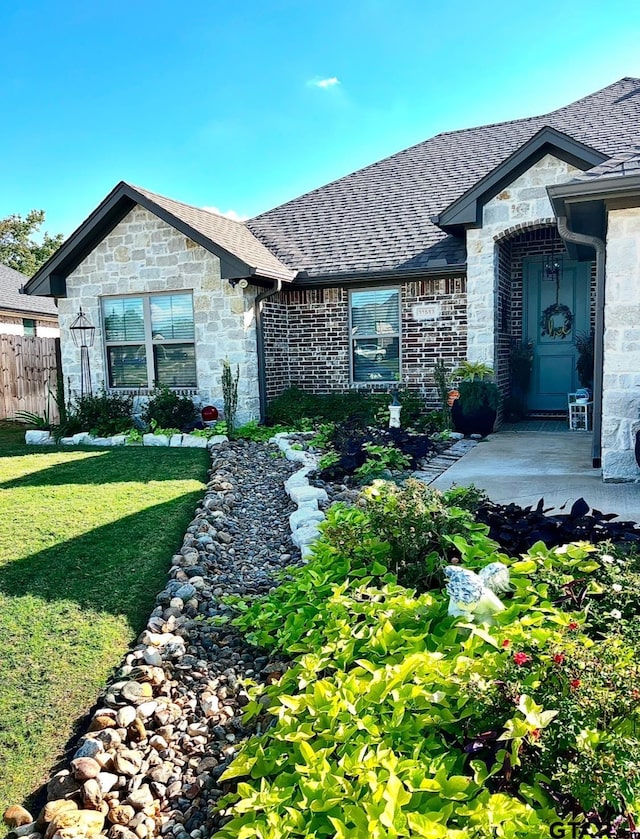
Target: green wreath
[(548, 323)]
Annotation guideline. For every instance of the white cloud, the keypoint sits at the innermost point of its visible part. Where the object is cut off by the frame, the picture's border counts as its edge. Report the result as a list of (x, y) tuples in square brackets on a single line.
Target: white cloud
[(324, 83), (229, 213)]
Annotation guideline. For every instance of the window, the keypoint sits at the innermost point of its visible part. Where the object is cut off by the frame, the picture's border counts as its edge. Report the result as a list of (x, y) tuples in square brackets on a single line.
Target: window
[(29, 327), (375, 335), (150, 340)]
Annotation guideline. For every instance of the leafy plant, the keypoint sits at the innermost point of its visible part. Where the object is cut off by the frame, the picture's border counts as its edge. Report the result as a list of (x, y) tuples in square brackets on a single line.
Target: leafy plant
[(40, 421), (167, 432), (584, 342), (394, 718), (230, 395), (102, 414), (169, 409), (471, 371), (380, 460), (134, 435), (442, 378)]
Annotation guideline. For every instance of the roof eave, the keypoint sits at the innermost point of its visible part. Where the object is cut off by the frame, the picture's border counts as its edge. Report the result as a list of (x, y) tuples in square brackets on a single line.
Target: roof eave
[(349, 278)]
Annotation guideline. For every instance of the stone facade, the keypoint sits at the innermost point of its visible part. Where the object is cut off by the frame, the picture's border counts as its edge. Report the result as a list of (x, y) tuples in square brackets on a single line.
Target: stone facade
[(307, 336), (621, 383), (143, 254), (523, 202)]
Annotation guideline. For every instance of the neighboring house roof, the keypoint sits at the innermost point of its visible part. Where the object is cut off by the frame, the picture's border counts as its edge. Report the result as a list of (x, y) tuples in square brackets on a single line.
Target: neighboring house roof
[(11, 281), (378, 219), (241, 253)]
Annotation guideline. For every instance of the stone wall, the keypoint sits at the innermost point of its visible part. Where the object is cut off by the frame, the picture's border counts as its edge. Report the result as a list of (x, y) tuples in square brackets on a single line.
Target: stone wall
[(522, 202), (621, 384), (144, 254), (307, 336)]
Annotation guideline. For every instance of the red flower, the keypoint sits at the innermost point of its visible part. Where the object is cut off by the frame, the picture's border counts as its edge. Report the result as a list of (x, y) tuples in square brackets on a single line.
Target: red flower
[(521, 658), (506, 642), (574, 684), (535, 734), (558, 658), (573, 625)]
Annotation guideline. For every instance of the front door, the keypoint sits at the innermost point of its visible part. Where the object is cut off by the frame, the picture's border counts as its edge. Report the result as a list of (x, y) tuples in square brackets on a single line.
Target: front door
[(556, 309)]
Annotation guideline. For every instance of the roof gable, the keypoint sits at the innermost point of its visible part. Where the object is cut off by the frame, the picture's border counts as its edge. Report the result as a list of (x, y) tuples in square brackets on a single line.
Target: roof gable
[(467, 210), (241, 254)]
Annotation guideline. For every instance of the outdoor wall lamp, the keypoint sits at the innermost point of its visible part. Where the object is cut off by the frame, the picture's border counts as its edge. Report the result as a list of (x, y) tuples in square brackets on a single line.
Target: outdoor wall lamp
[(83, 335), (234, 281)]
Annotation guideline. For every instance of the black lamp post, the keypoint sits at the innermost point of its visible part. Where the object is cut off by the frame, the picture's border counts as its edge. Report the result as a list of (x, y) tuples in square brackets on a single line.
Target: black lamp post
[(83, 334)]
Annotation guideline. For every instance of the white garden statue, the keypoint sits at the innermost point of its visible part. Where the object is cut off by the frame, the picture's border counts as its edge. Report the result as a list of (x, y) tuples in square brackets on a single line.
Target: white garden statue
[(475, 595)]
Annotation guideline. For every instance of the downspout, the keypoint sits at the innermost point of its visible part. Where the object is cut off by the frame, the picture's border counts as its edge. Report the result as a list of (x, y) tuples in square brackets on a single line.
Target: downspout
[(598, 338), (262, 376)]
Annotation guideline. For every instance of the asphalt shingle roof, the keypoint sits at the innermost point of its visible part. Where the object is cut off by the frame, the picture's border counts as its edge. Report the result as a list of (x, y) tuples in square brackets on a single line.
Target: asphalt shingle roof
[(233, 236), (378, 218), (627, 163), (11, 299)]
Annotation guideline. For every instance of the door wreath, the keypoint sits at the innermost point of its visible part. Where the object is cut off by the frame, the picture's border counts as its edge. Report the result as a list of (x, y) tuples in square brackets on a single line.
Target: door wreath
[(550, 323)]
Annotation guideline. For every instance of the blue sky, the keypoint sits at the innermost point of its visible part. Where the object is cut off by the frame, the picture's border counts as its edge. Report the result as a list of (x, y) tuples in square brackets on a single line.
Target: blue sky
[(218, 103)]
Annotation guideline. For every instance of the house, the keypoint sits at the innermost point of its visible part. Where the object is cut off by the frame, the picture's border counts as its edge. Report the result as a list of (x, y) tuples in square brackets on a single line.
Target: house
[(21, 314), (449, 249)]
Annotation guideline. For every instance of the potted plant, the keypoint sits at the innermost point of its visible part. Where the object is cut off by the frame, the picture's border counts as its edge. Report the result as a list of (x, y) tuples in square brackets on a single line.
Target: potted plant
[(476, 409), (584, 365), (520, 369)]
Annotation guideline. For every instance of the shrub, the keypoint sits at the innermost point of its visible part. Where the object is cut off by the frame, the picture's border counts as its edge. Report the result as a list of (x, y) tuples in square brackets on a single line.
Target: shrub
[(295, 405), (169, 409), (100, 413)]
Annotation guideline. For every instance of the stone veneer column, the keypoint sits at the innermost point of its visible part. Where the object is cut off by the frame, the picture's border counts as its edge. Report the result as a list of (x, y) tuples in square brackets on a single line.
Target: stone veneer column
[(523, 202), (621, 380), (144, 254)]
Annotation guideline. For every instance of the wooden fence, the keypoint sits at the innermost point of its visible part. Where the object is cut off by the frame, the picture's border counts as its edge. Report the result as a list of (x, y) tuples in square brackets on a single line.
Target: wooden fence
[(28, 371)]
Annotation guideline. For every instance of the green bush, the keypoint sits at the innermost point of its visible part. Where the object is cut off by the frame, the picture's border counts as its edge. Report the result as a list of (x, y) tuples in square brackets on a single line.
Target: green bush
[(102, 414), (295, 405), (396, 719), (169, 409)]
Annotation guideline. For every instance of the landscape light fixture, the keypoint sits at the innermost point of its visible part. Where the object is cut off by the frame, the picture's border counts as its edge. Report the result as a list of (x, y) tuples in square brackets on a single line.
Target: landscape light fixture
[(83, 335)]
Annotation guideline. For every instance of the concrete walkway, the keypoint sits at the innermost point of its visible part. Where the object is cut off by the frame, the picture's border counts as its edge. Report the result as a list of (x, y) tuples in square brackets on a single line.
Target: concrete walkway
[(524, 466)]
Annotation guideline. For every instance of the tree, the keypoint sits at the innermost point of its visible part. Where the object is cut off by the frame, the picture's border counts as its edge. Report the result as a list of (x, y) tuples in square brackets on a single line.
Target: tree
[(18, 249)]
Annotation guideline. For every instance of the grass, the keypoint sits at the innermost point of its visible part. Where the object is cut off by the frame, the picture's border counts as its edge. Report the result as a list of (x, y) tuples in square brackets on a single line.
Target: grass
[(86, 538)]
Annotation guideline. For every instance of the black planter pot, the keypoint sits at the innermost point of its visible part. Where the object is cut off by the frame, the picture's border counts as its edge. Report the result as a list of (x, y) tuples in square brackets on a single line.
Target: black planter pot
[(479, 421)]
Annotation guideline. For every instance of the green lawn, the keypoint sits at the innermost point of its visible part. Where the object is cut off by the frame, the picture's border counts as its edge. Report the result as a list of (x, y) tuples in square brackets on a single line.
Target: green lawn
[(86, 538)]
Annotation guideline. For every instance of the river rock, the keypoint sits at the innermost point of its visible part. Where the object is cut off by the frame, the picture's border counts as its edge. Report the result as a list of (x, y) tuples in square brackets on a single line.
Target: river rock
[(17, 816), (84, 768)]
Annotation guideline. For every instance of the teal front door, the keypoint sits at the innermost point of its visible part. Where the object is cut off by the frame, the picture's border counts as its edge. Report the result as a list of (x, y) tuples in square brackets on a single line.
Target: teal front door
[(555, 311)]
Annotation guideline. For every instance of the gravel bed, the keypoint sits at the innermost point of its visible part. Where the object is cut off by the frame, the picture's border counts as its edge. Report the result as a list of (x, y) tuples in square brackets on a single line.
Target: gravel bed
[(170, 723)]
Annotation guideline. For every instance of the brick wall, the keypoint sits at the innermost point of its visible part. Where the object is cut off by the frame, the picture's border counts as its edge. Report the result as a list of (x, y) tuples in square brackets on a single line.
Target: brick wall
[(312, 350)]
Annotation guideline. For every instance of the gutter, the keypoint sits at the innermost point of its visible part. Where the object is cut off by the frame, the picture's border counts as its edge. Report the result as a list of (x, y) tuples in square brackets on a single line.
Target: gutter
[(262, 376), (598, 338), (347, 278)]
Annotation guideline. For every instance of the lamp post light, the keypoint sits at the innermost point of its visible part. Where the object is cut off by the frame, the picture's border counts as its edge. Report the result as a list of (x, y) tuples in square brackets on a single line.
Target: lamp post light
[(83, 335)]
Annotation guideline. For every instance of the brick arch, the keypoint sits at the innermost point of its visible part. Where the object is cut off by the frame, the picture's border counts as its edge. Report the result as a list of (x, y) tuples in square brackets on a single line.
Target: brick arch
[(524, 227)]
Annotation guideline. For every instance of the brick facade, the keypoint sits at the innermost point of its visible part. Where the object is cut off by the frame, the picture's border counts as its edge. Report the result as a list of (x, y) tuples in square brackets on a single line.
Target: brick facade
[(307, 336)]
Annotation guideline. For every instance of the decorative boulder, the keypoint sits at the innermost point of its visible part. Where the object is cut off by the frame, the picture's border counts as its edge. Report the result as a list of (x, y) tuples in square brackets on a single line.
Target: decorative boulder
[(81, 439), (301, 494), (155, 440), (191, 442), (216, 440), (38, 438), (176, 441)]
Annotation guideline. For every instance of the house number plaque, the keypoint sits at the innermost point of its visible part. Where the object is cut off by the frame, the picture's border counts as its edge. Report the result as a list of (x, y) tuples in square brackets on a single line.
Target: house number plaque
[(426, 311)]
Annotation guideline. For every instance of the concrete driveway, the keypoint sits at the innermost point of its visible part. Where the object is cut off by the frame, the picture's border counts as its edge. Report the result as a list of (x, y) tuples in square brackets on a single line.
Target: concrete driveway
[(524, 466)]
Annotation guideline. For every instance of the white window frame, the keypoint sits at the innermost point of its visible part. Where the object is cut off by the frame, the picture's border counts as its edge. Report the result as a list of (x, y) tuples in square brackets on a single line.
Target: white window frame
[(148, 342), (375, 337)]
